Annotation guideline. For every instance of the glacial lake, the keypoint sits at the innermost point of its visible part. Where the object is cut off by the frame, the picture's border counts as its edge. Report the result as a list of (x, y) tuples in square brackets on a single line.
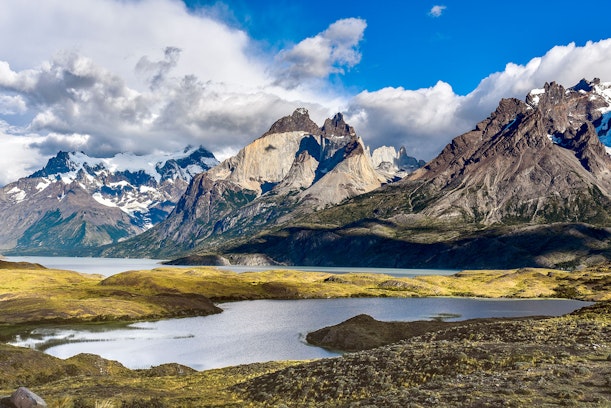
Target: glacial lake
[(262, 330), (111, 266), (252, 331)]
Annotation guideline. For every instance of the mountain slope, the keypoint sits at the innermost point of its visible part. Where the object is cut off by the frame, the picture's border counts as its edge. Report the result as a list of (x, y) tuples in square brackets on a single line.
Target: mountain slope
[(293, 169), (529, 185), (77, 202)]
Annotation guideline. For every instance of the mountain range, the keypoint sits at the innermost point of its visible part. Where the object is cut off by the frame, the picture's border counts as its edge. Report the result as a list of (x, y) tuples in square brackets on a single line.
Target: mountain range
[(294, 169), (77, 202), (530, 185)]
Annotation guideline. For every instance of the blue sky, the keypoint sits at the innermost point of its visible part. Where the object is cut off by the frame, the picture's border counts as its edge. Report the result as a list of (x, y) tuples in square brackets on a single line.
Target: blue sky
[(405, 45), (153, 76)]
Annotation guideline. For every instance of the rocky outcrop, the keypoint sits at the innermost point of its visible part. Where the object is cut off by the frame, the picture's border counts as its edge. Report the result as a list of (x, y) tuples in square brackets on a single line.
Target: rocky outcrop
[(299, 121), (22, 398), (293, 169), (363, 332)]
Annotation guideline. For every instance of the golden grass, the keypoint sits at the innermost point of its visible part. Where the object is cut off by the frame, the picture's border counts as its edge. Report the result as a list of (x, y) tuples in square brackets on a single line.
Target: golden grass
[(35, 296), (58, 296), (92, 381)]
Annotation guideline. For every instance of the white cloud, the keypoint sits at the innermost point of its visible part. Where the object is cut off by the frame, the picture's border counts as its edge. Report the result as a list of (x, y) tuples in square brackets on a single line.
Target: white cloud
[(329, 52), (422, 120), (106, 76), (17, 156), (117, 34), (437, 11), (425, 120), (111, 76), (12, 105)]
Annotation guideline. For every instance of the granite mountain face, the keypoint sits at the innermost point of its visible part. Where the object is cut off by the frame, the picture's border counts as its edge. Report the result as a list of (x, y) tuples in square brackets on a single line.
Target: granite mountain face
[(78, 202), (530, 185), (293, 169), (538, 161)]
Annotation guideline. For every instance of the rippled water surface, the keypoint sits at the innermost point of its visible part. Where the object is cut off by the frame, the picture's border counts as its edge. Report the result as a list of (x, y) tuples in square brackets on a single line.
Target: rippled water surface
[(264, 330)]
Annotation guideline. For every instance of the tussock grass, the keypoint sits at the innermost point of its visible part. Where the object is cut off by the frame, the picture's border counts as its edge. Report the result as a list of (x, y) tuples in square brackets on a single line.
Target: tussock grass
[(34, 296)]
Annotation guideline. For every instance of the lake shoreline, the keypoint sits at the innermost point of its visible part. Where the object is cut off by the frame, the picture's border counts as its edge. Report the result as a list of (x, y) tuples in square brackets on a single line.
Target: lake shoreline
[(46, 296), (452, 366), (53, 378)]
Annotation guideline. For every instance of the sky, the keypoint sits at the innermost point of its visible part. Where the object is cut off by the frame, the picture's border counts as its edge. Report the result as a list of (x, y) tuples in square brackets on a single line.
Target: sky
[(155, 76)]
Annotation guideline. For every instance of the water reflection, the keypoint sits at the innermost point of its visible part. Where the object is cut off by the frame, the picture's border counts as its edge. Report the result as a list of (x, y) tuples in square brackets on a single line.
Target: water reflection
[(264, 330)]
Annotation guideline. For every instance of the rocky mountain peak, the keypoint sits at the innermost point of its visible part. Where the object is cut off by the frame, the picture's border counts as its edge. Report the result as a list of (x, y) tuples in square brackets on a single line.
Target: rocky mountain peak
[(298, 121), (526, 158), (337, 127), (585, 85), (61, 163), (293, 169)]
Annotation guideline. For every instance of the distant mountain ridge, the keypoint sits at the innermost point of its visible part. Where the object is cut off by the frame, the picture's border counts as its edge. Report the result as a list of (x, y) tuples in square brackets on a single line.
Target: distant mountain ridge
[(293, 169), (529, 186), (77, 202)]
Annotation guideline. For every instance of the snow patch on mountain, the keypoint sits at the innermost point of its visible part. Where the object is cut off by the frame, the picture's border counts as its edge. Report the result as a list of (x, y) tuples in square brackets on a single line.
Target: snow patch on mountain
[(17, 194), (145, 187), (393, 164), (599, 94)]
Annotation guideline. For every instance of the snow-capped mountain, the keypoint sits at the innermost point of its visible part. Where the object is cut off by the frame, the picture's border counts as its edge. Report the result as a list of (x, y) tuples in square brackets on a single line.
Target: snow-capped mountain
[(144, 187), (112, 198), (589, 101), (295, 168)]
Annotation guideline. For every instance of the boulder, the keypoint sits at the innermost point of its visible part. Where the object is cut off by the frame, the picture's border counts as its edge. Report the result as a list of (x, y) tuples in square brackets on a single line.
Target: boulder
[(22, 398)]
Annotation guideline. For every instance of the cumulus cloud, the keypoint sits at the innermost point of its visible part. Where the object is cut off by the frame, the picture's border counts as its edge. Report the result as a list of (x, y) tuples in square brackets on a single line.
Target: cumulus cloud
[(193, 80), (437, 11), (81, 106), (332, 51), (12, 104), (419, 119), (116, 34), (156, 71), (18, 156), (425, 120)]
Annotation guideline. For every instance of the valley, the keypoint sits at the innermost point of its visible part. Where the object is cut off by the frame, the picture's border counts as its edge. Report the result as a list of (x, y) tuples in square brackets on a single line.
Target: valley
[(443, 359)]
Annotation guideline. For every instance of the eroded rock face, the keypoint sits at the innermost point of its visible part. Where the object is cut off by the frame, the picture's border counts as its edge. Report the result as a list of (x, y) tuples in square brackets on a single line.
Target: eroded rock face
[(535, 161)]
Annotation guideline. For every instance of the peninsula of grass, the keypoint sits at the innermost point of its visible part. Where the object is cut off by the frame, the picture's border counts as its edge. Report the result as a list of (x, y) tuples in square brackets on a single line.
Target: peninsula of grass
[(451, 366), (38, 296)]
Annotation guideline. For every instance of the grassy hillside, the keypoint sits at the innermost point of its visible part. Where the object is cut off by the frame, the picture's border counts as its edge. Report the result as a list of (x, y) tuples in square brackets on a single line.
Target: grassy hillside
[(46, 295), (514, 353)]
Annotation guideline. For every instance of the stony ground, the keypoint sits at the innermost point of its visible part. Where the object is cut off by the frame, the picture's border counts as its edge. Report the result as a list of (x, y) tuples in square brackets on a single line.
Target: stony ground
[(552, 362), (564, 361)]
